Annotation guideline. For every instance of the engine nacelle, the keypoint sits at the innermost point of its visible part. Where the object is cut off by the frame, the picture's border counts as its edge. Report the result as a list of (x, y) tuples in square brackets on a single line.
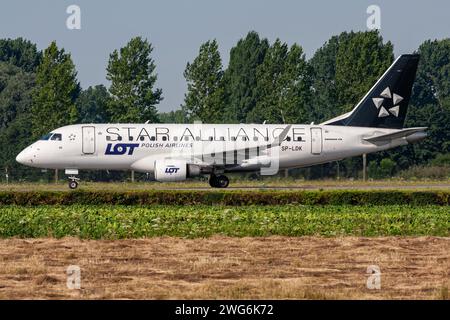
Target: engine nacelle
[(170, 170)]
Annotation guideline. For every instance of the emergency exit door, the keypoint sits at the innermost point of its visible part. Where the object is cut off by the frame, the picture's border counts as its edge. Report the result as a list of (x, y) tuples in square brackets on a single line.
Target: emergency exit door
[(316, 140), (88, 140)]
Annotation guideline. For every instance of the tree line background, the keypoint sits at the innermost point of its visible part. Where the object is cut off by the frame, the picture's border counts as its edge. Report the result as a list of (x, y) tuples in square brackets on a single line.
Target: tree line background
[(263, 81)]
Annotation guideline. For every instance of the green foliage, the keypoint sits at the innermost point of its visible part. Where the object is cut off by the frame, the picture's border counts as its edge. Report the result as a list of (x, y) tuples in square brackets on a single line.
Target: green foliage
[(431, 100), (120, 222), (21, 53), (205, 93), (345, 68), (177, 116), (284, 84), (240, 77), (361, 59), (55, 92), (15, 123), (235, 198), (441, 172), (323, 67), (384, 169), (441, 160), (432, 85), (92, 105), (131, 71)]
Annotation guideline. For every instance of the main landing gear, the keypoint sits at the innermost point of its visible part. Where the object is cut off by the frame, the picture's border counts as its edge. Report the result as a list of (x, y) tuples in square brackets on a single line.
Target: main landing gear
[(220, 181)]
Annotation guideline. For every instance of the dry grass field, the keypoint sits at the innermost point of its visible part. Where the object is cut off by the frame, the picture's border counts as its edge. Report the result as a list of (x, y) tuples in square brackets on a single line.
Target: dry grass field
[(226, 268)]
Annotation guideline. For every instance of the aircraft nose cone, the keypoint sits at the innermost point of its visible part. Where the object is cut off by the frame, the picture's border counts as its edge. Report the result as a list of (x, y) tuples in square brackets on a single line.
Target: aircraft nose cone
[(20, 158), (23, 157)]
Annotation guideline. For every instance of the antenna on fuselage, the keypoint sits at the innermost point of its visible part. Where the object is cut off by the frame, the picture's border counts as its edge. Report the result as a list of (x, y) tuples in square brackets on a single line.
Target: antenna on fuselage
[(147, 122)]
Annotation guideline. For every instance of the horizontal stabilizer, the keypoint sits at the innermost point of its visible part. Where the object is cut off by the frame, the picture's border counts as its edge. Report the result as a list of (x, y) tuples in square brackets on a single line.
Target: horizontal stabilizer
[(395, 135)]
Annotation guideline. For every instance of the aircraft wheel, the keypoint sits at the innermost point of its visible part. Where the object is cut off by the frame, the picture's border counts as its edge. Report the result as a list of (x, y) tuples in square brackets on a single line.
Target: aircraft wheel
[(73, 184), (222, 181), (213, 181)]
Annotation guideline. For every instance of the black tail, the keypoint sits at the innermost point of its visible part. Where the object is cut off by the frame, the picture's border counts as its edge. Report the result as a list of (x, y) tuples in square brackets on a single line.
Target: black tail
[(386, 104)]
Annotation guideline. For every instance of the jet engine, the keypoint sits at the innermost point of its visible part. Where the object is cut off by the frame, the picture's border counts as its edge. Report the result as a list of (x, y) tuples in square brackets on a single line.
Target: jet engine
[(170, 170)]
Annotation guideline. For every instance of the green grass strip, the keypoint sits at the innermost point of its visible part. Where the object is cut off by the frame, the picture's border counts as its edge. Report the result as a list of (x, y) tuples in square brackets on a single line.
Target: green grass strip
[(120, 222)]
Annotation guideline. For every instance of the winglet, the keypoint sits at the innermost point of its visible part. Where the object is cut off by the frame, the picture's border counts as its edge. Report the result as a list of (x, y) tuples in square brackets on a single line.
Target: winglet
[(278, 140)]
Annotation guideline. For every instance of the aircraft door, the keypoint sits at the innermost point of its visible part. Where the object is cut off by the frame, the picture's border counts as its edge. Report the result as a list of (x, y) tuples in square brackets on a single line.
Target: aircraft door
[(88, 140), (316, 141)]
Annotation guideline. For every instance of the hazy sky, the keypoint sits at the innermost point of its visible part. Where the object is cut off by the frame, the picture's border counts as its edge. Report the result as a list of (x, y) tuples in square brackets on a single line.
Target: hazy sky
[(177, 28)]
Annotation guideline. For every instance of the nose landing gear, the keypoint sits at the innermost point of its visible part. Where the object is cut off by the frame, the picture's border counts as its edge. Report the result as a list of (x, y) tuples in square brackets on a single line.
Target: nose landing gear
[(73, 180), (220, 181)]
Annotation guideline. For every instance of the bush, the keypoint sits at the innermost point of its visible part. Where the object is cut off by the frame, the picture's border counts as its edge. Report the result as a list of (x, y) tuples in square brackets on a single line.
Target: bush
[(234, 198), (384, 170), (441, 160), (426, 172)]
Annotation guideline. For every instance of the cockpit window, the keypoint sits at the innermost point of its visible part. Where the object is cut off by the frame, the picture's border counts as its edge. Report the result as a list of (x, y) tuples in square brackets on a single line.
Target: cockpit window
[(56, 137), (46, 136)]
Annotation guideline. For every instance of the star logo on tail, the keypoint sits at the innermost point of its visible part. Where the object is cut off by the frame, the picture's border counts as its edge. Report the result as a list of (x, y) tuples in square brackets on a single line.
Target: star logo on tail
[(384, 111)]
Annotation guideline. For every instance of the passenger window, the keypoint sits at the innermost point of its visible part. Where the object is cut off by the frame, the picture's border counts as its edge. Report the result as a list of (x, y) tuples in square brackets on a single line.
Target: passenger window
[(56, 137)]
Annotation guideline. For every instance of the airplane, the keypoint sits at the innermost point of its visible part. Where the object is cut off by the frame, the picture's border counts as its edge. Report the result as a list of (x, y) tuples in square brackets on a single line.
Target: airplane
[(176, 152)]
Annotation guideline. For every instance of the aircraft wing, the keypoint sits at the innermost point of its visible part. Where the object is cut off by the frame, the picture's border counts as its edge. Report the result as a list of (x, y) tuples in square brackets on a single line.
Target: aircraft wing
[(263, 159), (260, 160), (395, 135), (258, 155)]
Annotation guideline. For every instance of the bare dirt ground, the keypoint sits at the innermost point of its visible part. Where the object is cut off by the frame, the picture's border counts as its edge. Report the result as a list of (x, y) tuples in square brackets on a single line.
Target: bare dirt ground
[(226, 268)]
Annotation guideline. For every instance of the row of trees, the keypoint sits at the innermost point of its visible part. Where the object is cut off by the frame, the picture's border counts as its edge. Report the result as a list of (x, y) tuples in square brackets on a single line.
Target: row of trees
[(274, 82), (263, 81), (39, 92)]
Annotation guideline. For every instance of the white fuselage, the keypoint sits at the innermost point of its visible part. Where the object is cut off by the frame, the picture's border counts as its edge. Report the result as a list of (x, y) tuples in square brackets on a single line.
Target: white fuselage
[(138, 146)]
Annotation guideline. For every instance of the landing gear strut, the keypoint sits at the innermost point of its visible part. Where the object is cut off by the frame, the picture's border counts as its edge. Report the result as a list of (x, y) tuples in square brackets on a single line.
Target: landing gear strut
[(73, 182), (218, 181)]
